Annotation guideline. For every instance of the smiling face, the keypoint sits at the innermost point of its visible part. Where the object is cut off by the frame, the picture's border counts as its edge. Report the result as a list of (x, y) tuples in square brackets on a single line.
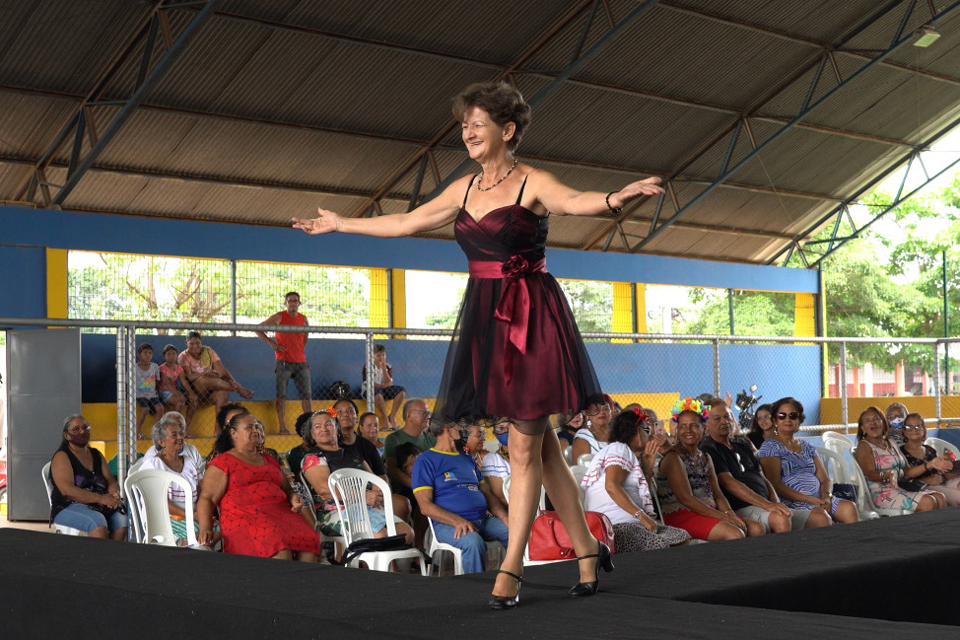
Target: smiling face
[(475, 439), (720, 423), (194, 346), (765, 420), (599, 417), (914, 430), (173, 439), (370, 427), (872, 424), (484, 138), (347, 414), (689, 429), (787, 418), (323, 428)]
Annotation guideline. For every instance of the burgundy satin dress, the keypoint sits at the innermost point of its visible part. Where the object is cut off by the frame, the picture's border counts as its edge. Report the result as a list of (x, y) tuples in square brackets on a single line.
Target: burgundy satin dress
[(516, 351)]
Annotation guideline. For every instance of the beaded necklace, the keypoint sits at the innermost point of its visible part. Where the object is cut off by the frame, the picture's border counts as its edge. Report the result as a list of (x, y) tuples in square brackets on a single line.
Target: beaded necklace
[(479, 188)]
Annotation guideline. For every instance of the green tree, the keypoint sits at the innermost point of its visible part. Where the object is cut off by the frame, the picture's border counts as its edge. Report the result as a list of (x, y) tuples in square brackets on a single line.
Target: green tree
[(591, 303)]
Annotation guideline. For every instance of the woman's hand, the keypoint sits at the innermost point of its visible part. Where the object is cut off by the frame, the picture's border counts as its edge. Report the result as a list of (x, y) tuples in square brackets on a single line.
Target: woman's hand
[(296, 502), (205, 536), (111, 500), (375, 498), (649, 523), (325, 222), (941, 463), (649, 456), (646, 187)]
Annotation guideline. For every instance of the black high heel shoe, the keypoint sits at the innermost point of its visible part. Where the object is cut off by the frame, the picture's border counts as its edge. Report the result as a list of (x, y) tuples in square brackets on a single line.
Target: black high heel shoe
[(582, 589), (499, 603)]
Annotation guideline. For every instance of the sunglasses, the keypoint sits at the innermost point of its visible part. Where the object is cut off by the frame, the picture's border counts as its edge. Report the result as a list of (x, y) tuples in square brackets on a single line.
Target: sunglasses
[(793, 415)]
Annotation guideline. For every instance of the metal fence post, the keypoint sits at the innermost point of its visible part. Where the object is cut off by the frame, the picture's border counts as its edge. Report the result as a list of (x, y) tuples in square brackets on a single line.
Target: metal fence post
[(121, 364), (716, 367), (368, 352), (936, 375), (844, 418)]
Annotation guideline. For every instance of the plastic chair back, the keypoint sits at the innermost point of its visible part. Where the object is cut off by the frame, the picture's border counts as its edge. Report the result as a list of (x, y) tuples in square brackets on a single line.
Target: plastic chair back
[(941, 446), (48, 485), (836, 468), (147, 490)]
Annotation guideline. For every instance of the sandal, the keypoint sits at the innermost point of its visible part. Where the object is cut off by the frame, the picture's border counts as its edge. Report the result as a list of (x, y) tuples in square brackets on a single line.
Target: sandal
[(499, 603)]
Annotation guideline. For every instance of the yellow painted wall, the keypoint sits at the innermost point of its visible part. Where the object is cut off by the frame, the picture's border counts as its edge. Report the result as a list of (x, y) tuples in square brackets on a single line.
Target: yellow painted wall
[(924, 405), (622, 309), (56, 283), (804, 315)]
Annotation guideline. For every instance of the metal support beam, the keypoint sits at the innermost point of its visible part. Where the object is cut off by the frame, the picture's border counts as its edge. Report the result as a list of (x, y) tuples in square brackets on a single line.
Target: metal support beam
[(843, 206), (804, 112), (169, 58), (557, 82)]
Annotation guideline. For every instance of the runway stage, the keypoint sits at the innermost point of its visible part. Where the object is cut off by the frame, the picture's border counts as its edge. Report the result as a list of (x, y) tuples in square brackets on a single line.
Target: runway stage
[(889, 576)]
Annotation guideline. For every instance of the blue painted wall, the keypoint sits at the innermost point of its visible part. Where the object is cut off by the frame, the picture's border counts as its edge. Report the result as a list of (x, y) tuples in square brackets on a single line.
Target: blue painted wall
[(621, 367)]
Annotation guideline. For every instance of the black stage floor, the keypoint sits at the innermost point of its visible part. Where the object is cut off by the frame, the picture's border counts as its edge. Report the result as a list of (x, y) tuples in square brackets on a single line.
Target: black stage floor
[(888, 576)]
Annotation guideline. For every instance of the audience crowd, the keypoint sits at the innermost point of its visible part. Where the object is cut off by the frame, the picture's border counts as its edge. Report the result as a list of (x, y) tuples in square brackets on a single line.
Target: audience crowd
[(694, 478)]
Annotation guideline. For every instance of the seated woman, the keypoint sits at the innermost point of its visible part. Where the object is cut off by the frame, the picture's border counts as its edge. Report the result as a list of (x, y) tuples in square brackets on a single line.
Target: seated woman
[(496, 466), (616, 484), (794, 469), (761, 427), (296, 455), (168, 442), (569, 424), (259, 511), (369, 428), (895, 414), (593, 437), (328, 456), (937, 470), (687, 485), (85, 494), (476, 437), (883, 465)]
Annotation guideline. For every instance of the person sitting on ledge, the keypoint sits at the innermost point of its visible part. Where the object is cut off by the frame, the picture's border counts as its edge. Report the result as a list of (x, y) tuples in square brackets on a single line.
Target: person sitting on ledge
[(207, 375)]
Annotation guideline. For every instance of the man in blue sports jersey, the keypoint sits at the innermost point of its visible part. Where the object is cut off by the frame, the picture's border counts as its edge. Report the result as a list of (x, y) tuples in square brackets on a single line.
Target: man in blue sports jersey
[(450, 491)]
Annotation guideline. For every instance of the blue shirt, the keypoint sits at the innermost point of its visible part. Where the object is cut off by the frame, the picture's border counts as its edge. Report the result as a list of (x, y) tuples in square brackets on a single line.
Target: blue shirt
[(455, 479)]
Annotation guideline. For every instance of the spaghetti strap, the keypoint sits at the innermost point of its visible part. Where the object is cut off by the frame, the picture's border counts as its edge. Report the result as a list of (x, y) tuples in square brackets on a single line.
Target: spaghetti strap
[(467, 192), (520, 195)]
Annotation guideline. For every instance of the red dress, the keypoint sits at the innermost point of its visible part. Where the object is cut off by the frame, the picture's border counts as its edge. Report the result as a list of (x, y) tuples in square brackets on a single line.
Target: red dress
[(255, 516), (516, 351)]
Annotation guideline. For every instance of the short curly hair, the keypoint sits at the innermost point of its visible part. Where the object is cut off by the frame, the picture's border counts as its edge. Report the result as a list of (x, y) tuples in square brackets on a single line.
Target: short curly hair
[(502, 102)]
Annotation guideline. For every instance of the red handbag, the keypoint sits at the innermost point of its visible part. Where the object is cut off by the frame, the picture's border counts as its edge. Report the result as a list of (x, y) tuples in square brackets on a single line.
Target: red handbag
[(549, 539)]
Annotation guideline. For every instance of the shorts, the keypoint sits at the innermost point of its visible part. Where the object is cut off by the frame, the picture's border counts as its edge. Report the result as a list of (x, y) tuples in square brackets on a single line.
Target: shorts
[(165, 395), (388, 393), (695, 524), (300, 371), (82, 517), (153, 405), (798, 519)]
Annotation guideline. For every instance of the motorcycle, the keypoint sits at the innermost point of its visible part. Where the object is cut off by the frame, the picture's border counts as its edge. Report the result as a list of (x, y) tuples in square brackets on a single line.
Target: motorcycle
[(747, 406)]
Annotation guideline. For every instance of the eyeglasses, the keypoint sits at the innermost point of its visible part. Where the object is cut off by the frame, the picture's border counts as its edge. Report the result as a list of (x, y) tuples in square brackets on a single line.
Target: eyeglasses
[(912, 427), (739, 462), (81, 429), (423, 411), (793, 415), (764, 418)]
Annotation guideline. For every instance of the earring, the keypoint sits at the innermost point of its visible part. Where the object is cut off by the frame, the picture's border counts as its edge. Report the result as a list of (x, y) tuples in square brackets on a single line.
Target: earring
[(163, 451)]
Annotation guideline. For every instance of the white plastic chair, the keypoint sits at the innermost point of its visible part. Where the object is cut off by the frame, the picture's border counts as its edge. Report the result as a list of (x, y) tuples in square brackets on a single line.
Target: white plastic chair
[(863, 488), (435, 549), (836, 468), (568, 454), (338, 541), (48, 484), (584, 459), (348, 488), (147, 491), (941, 446), (836, 442)]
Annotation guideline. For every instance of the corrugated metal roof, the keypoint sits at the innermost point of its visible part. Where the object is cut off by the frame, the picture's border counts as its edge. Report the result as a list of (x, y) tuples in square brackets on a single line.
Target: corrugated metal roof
[(277, 108)]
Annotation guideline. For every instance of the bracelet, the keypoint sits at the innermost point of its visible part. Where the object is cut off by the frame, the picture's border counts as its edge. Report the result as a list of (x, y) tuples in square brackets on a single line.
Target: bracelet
[(609, 206), (638, 514)]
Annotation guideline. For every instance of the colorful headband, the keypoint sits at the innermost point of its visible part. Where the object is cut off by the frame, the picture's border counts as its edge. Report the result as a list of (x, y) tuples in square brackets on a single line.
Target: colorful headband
[(690, 404)]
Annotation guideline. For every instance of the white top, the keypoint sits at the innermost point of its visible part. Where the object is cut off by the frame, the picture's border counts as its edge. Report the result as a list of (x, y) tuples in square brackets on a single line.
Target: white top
[(189, 451), (635, 484), (190, 472), (586, 434), (495, 465)]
